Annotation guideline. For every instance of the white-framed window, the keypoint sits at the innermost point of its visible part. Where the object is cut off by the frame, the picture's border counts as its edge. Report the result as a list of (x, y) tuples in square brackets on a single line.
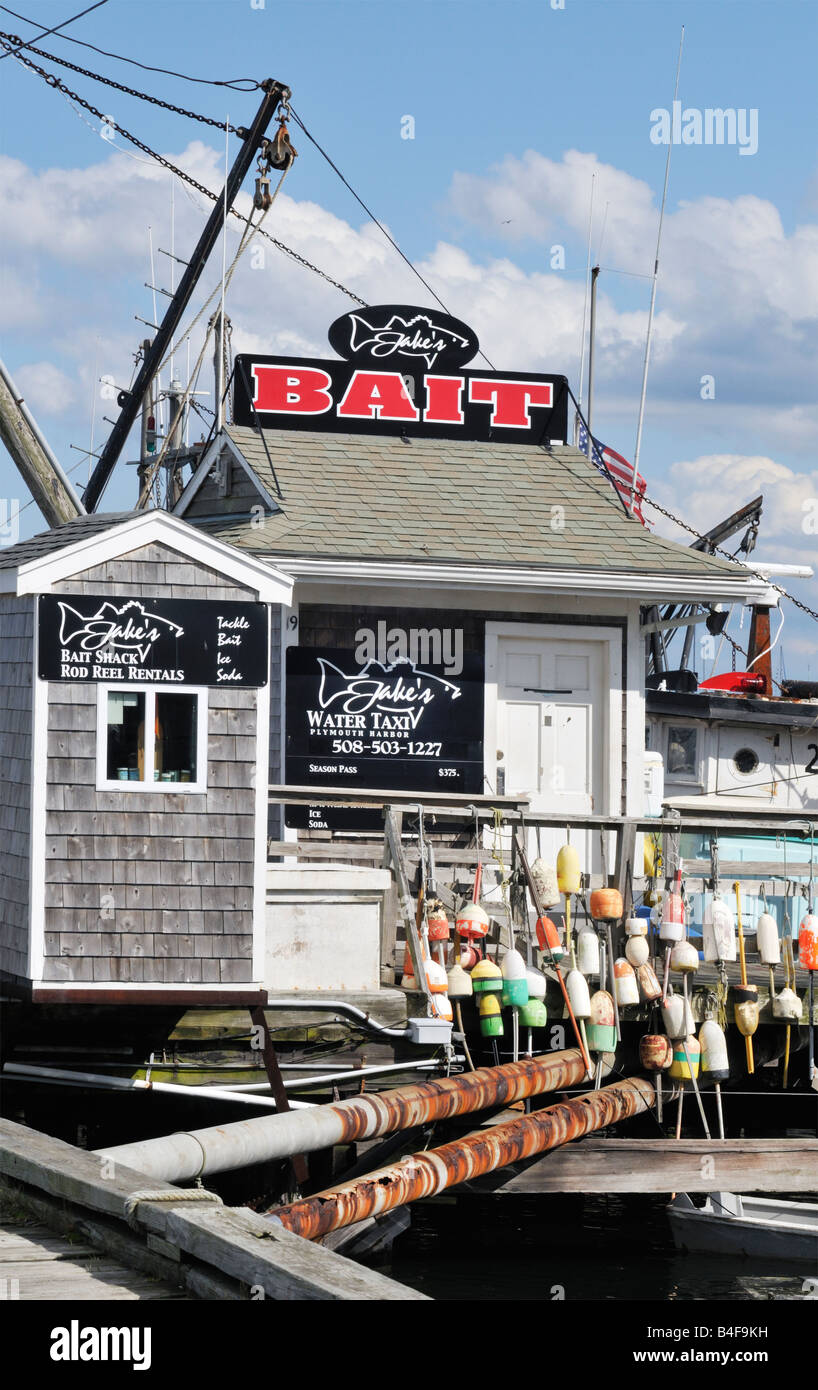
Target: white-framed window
[(152, 738)]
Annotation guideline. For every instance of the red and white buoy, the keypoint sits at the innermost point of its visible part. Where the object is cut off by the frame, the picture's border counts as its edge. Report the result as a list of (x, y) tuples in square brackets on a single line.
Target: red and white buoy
[(627, 990)]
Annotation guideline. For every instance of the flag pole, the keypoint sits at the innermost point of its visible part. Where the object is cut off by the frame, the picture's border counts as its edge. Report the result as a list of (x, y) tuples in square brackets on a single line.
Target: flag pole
[(585, 303), (653, 287), (594, 278)]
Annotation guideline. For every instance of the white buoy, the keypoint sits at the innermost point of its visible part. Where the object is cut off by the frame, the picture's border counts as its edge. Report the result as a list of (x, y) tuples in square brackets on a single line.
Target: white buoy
[(536, 983), (719, 931), (787, 1006), (636, 950), (769, 946), (684, 957), (545, 881), (578, 993), (714, 1051), (677, 1017), (627, 990), (636, 926), (588, 951)]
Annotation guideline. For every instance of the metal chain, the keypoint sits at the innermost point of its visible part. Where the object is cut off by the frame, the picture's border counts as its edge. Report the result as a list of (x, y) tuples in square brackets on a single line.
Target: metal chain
[(718, 550), (55, 82), (120, 87)]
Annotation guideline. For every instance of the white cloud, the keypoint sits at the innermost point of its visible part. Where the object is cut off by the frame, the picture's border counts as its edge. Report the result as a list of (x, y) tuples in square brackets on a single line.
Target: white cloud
[(45, 389)]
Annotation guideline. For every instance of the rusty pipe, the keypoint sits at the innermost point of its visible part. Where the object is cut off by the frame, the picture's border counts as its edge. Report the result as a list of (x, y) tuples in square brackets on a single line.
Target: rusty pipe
[(179, 1157), (424, 1174)]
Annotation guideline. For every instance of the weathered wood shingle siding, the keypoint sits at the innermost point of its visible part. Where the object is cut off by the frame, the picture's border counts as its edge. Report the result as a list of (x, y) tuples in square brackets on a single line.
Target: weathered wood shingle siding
[(143, 887), (16, 653)]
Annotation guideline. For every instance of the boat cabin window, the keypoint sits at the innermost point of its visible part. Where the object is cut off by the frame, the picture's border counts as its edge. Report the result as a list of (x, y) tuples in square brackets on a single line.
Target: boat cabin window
[(149, 736), (682, 751)]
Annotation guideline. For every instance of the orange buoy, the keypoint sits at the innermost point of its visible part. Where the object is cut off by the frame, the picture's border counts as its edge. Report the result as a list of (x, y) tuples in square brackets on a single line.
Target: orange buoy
[(438, 924), (472, 922), (808, 943), (548, 938), (606, 905)]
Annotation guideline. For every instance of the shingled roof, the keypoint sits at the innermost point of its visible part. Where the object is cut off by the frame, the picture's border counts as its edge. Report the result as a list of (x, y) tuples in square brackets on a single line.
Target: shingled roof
[(46, 542), (375, 497)]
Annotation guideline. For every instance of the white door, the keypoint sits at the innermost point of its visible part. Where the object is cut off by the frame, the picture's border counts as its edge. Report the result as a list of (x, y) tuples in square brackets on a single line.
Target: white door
[(551, 731)]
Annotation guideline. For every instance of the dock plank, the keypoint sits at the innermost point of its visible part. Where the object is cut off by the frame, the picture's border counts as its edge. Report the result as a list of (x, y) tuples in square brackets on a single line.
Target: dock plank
[(662, 1165), (36, 1265)]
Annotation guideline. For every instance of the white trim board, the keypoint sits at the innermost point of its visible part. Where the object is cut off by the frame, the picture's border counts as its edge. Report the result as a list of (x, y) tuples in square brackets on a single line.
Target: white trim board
[(262, 781), (104, 783), (39, 575)]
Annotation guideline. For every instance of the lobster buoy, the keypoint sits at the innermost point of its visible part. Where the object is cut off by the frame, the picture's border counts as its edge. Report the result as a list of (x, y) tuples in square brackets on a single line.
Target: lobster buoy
[(636, 950), (491, 1023), (636, 926), (672, 923), (436, 977), (606, 905), (787, 1005), (438, 924), (515, 982), (627, 990), (533, 1014), (545, 882), (578, 994), (408, 980), (569, 878), (769, 946), (655, 1052), (719, 931), (714, 1051), (469, 956), (679, 1069), (459, 983), (649, 986), (443, 1007), (684, 957), (745, 1008), (548, 938), (588, 951), (601, 1027), (536, 983), (472, 922), (808, 943), (487, 978), (677, 1016)]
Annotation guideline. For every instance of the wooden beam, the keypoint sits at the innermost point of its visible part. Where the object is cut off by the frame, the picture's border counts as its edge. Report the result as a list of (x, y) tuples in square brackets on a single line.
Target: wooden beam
[(235, 1242), (660, 1165)]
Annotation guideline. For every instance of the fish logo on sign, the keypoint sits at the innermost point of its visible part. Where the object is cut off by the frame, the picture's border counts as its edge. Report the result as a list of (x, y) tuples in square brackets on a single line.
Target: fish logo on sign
[(404, 334), (106, 628), (417, 337), (396, 690)]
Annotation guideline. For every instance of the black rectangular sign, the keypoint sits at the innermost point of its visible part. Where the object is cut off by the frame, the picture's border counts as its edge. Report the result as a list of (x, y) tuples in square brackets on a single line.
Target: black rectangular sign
[(332, 396), (156, 641), (407, 726)]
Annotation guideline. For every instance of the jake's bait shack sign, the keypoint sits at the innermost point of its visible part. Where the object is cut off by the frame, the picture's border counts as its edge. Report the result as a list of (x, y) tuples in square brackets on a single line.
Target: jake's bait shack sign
[(156, 641), (403, 374), (398, 725)]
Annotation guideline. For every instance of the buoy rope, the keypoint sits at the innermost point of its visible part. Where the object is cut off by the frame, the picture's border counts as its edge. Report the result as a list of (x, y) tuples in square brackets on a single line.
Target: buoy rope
[(196, 1194)]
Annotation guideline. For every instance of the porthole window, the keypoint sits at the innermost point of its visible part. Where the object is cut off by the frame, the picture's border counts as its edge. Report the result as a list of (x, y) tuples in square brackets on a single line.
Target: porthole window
[(745, 761)]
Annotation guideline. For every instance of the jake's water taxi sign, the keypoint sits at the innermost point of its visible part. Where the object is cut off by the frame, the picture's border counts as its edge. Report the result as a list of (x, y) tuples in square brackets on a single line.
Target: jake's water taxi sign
[(403, 373)]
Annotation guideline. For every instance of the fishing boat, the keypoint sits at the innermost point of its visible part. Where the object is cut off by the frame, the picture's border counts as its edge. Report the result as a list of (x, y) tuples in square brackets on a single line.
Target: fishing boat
[(757, 1227)]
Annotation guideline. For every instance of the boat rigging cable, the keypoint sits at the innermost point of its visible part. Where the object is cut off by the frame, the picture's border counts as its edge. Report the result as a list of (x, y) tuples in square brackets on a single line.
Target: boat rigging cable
[(55, 82), (44, 32), (238, 84), (378, 224)]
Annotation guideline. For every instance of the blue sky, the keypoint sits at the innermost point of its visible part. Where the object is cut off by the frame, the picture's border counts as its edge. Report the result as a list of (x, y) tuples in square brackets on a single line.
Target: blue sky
[(501, 95)]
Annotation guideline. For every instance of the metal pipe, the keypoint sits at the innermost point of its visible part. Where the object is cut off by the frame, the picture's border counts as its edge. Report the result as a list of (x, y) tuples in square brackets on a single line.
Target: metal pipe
[(301, 1083), (424, 1174), (179, 1157), (339, 1006), (127, 1083)]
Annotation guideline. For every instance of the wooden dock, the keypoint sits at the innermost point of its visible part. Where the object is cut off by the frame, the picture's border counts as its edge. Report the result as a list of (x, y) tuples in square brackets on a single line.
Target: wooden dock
[(36, 1264), (183, 1237)]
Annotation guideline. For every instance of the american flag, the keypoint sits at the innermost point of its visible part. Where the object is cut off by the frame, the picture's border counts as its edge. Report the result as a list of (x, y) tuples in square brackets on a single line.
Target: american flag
[(620, 470)]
